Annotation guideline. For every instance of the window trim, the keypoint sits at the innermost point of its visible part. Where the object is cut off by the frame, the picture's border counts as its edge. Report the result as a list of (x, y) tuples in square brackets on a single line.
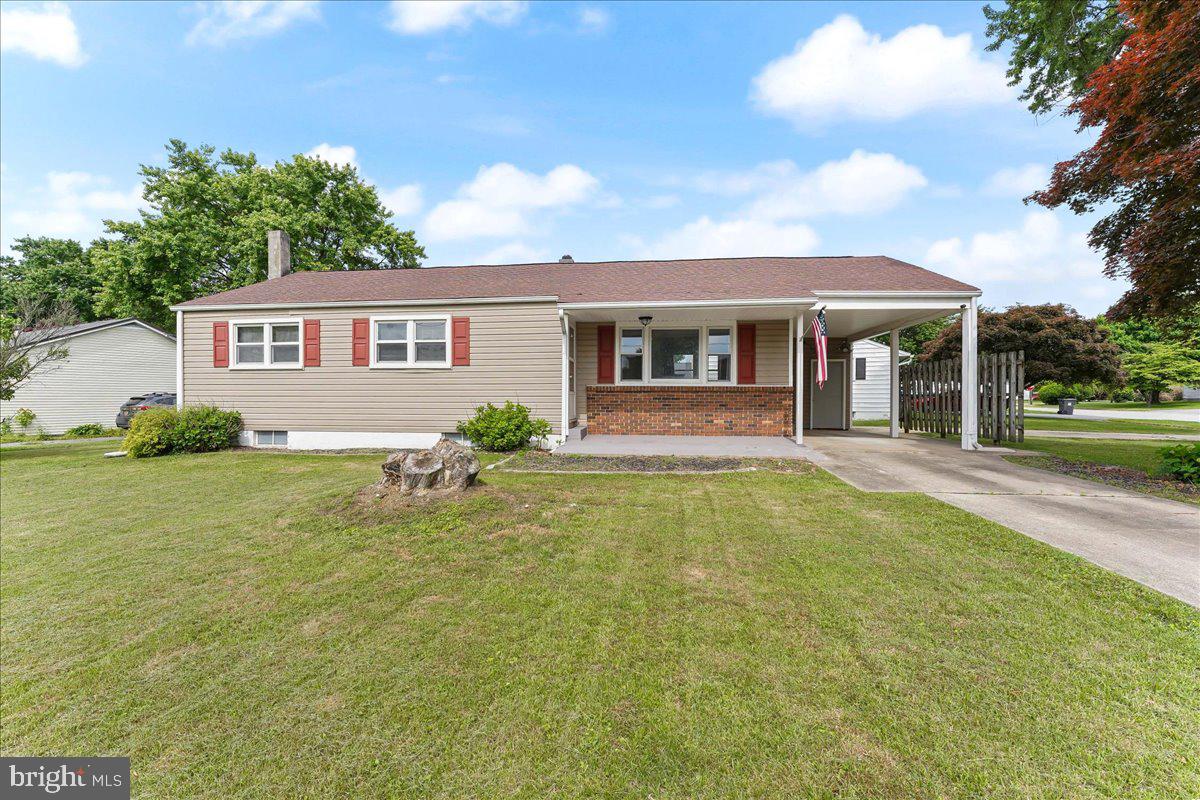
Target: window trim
[(266, 324), (412, 348), (702, 365)]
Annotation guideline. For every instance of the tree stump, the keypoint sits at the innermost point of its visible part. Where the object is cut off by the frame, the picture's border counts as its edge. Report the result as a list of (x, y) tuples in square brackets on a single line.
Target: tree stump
[(447, 466)]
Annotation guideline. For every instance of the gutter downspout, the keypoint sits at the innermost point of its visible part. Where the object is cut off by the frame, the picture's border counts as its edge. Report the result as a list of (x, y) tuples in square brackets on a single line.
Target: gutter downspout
[(178, 359)]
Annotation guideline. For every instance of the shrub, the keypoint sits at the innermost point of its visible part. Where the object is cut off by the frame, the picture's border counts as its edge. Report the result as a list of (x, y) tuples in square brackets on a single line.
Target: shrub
[(1051, 391), (195, 429), (203, 429), (1182, 462), (503, 429), (87, 429), (6, 427), (24, 417), (150, 433), (1120, 394)]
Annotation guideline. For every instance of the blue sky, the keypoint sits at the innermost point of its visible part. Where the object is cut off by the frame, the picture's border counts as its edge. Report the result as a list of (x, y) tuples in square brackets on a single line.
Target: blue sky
[(512, 132)]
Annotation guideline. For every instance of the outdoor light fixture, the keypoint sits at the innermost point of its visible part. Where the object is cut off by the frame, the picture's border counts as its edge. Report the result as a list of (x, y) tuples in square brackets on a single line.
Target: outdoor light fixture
[(645, 319)]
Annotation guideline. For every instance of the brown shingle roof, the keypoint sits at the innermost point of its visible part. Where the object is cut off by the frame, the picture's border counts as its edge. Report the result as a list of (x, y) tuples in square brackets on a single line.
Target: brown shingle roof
[(604, 281)]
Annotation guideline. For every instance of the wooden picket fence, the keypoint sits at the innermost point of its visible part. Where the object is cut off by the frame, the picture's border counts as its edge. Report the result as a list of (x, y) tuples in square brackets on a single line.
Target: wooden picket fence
[(931, 397)]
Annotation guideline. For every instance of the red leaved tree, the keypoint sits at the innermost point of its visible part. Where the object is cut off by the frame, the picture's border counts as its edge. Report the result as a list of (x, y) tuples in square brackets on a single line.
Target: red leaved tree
[(1146, 161)]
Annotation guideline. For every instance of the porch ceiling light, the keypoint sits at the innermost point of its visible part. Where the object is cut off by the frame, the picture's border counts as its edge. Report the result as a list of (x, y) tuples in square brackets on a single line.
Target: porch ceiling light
[(645, 319)]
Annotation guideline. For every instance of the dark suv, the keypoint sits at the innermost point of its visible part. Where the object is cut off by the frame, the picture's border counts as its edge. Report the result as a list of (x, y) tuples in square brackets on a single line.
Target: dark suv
[(142, 402)]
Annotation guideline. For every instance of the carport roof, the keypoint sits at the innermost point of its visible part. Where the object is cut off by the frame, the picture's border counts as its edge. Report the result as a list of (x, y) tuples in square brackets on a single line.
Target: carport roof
[(703, 279)]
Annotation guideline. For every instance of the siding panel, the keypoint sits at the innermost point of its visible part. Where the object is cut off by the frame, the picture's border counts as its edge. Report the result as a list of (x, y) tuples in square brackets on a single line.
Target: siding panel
[(516, 354), (104, 370)]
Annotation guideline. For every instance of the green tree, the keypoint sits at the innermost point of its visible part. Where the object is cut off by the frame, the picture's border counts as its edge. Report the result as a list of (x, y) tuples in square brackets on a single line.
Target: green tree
[(206, 230), (914, 337), (1056, 46), (1059, 344), (48, 272), (1159, 366)]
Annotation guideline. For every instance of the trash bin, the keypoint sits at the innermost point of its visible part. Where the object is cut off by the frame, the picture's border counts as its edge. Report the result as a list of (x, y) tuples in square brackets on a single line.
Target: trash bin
[(1066, 405)]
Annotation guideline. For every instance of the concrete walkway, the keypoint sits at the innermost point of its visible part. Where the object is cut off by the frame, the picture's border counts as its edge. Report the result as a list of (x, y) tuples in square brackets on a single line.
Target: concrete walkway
[(737, 446), (1178, 437), (1148, 539)]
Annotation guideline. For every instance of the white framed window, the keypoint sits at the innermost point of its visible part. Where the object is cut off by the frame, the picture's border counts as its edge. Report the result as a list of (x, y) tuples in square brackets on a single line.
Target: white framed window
[(270, 438), (676, 353), (410, 342), (266, 344), (632, 341)]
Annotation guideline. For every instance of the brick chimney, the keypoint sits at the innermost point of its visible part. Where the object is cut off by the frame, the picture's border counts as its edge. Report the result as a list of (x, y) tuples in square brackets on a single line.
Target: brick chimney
[(279, 254)]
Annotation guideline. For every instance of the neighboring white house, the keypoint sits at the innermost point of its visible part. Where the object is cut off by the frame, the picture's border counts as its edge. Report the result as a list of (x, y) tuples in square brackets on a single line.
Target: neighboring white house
[(871, 380), (110, 361)]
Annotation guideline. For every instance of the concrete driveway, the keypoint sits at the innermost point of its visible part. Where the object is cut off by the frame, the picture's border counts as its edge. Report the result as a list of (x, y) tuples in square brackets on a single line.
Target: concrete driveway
[(1153, 541)]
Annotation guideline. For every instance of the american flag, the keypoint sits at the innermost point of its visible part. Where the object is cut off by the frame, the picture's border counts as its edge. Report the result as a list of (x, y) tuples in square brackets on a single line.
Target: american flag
[(821, 338)]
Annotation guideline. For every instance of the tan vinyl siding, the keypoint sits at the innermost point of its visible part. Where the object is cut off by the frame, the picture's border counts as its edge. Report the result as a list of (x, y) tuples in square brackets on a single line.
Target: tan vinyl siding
[(771, 352), (105, 368), (516, 354)]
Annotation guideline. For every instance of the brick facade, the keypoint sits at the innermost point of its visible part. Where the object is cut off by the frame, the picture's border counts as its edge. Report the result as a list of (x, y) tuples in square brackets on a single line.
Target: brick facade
[(690, 410)]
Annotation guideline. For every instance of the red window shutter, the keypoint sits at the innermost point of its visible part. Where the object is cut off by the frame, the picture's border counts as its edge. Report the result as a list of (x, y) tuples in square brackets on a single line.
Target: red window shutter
[(312, 342), (461, 327), (745, 352), (605, 344), (361, 346), (220, 344)]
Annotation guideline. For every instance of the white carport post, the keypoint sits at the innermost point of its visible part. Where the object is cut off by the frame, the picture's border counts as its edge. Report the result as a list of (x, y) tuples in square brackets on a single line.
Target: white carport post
[(970, 375), (894, 384), (566, 373), (798, 380)]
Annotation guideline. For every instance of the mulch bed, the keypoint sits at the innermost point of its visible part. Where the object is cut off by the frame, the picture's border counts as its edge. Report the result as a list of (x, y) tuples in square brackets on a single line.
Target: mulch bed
[(540, 461), (1123, 477)]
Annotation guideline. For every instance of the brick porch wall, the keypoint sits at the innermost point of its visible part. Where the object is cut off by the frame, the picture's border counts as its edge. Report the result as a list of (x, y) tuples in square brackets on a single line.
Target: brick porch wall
[(690, 410)]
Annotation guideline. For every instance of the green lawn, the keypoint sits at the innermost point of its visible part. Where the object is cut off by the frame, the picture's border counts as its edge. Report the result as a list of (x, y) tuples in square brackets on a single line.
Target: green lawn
[(1141, 454), (1065, 423), (1134, 405), (235, 626)]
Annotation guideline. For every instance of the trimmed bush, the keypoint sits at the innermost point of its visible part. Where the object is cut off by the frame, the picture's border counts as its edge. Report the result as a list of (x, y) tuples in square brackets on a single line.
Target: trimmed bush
[(1182, 462), (195, 429), (150, 433), (1051, 392), (203, 429), (503, 429), (87, 429)]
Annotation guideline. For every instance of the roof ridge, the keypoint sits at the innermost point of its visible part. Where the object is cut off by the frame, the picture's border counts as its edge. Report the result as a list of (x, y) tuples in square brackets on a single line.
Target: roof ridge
[(582, 263)]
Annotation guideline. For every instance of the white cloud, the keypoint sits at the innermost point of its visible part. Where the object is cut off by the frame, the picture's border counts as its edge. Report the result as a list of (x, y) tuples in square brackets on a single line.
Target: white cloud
[(497, 201), (1041, 250), (594, 20), (69, 205), (862, 183), (403, 201), (513, 253), (224, 22), (45, 32), (842, 71), (428, 16), (343, 155), (1017, 181), (705, 238)]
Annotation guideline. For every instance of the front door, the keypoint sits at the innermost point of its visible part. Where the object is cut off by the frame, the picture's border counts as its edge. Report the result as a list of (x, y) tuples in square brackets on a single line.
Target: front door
[(828, 404)]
